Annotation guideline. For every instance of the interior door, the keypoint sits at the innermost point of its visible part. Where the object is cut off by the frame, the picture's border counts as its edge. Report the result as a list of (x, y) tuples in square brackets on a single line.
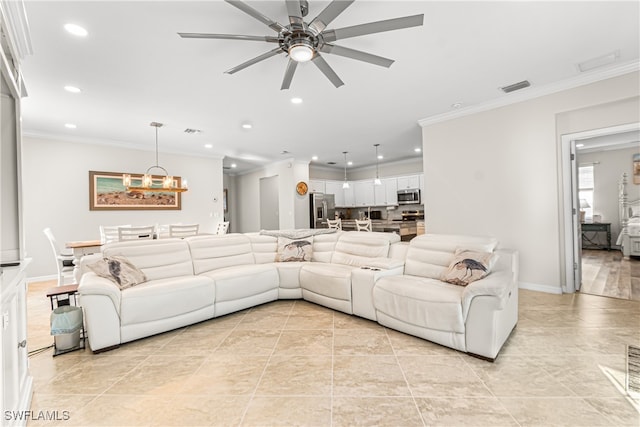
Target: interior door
[(575, 215), (269, 203)]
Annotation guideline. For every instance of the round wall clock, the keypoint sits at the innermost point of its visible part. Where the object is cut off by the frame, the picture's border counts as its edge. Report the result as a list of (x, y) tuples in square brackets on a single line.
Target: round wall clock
[(302, 188)]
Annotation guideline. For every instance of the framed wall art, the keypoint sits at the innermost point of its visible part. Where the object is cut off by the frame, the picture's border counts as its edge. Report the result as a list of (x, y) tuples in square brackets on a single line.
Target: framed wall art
[(108, 193)]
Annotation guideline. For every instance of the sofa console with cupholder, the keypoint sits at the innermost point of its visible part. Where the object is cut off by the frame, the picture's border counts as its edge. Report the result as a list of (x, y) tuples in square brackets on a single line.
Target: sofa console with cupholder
[(371, 275)]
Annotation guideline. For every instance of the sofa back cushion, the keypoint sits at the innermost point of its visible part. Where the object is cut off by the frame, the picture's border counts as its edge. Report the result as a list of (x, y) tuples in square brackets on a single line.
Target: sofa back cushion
[(430, 255), (265, 248), (158, 259), (357, 248), (219, 251), (324, 245)]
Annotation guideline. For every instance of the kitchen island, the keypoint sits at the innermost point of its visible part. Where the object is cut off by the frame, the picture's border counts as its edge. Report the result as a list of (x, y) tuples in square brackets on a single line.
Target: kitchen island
[(407, 229)]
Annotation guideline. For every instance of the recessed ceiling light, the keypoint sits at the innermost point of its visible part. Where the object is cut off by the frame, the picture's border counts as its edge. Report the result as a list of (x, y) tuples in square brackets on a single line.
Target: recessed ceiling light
[(349, 163), (233, 165), (296, 100), (456, 105), (314, 158), (70, 126), (417, 150), (380, 157), (208, 145), (579, 145), (72, 89), (247, 126), (76, 30)]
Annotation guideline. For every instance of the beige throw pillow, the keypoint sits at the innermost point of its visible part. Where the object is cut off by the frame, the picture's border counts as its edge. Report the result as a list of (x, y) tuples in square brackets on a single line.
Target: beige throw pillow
[(468, 266), (119, 270), (295, 249)]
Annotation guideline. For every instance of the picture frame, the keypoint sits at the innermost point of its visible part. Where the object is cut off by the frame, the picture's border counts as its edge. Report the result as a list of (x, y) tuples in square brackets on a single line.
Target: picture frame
[(636, 169), (108, 193)]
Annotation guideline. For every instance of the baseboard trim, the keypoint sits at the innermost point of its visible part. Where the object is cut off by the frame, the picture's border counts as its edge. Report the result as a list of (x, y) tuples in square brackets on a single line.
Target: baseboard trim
[(42, 278), (540, 288)]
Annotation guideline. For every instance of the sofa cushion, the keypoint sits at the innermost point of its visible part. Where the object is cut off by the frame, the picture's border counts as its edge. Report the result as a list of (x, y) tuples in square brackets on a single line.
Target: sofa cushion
[(290, 250), (119, 270), (264, 248), (468, 266), (358, 248), (243, 281), (158, 259), (165, 298), (429, 255), (220, 251), (330, 280), (323, 246), (423, 302)]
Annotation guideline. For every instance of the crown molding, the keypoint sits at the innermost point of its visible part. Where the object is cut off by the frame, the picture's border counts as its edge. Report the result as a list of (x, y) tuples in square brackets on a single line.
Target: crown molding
[(531, 93)]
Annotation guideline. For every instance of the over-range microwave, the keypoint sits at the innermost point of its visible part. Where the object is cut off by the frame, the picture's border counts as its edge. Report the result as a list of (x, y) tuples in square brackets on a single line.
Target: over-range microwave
[(410, 196)]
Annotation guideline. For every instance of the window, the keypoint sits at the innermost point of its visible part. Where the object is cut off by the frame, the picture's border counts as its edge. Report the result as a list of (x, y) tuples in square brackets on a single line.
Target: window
[(585, 190)]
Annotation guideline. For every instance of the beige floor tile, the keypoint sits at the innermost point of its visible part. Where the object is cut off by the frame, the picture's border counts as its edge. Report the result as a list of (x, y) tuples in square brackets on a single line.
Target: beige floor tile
[(157, 375), (299, 375), (309, 342), (262, 319), (361, 342), (194, 343), (620, 410), (408, 345), (55, 409), (288, 411), (368, 376), (459, 411), (375, 411), (310, 320), (252, 342), (201, 411), (347, 321), (553, 412), (229, 321), (122, 411), (441, 376), (222, 374)]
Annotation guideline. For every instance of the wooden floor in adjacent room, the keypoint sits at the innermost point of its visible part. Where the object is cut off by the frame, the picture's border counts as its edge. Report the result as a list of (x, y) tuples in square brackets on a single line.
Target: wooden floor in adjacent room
[(606, 273)]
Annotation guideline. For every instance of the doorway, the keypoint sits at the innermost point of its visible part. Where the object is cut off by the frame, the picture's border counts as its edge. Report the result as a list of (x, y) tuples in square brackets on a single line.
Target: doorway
[(269, 203), (602, 272)]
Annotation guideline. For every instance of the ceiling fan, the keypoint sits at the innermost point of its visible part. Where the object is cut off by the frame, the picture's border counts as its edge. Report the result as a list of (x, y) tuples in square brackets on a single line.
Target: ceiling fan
[(304, 41)]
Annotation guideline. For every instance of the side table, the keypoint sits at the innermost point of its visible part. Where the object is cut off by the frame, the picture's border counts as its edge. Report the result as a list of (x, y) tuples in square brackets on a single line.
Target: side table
[(589, 242), (61, 296)]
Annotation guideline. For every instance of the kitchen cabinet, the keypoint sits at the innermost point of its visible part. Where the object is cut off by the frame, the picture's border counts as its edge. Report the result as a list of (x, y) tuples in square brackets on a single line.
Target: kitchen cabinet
[(349, 196), (387, 193), (335, 188), (408, 182), (364, 193), (316, 186)]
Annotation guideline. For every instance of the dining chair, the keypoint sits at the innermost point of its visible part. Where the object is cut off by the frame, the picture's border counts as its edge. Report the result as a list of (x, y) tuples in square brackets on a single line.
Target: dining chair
[(335, 223), (64, 260), (109, 233), (183, 230), (223, 227), (364, 225), (162, 231), (145, 232)]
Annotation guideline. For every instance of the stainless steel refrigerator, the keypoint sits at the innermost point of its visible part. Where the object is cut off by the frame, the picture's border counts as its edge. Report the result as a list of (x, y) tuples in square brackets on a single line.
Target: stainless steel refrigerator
[(323, 207)]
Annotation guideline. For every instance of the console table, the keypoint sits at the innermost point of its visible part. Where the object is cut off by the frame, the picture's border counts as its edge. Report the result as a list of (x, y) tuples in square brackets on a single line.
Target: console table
[(590, 232)]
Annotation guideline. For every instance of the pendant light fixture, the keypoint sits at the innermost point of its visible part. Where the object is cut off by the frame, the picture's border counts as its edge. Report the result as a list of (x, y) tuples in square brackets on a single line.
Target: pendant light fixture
[(377, 180), (345, 184), (169, 185)]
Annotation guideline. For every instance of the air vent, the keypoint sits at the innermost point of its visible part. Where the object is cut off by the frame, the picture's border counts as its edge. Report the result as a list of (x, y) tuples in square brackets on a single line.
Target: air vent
[(284, 152), (188, 130), (331, 163), (516, 86)]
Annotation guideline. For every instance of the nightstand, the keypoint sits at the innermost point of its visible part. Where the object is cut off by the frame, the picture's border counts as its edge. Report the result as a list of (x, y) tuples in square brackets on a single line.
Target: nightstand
[(590, 232)]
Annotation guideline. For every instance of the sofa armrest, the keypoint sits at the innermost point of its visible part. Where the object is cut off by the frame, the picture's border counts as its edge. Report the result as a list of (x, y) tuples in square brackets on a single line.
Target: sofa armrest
[(385, 263), (497, 284), (92, 284)]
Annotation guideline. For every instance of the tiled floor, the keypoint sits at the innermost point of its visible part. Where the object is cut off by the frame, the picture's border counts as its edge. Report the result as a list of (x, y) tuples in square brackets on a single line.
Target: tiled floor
[(295, 363), (606, 273)]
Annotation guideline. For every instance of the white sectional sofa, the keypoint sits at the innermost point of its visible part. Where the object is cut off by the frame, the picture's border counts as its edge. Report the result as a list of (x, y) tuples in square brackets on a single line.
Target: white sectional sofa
[(372, 275)]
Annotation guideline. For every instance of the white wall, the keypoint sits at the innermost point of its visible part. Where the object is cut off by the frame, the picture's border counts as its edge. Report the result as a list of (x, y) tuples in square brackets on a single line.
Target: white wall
[(387, 169), (608, 168), (496, 173), (294, 209), (56, 193)]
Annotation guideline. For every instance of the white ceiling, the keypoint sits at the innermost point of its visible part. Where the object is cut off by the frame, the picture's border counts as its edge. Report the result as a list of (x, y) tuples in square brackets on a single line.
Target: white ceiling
[(134, 69)]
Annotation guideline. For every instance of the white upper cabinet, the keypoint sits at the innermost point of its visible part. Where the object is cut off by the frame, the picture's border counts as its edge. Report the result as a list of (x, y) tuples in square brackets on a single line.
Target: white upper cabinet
[(364, 194), (349, 196), (316, 186), (335, 188), (387, 193), (409, 181)]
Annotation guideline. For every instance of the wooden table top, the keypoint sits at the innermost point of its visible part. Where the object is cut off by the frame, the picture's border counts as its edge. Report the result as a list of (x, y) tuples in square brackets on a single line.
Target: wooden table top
[(59, 290), (83, 244)]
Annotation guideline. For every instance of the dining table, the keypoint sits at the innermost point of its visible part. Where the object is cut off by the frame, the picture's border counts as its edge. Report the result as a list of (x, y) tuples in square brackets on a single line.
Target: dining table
[(81, 248)]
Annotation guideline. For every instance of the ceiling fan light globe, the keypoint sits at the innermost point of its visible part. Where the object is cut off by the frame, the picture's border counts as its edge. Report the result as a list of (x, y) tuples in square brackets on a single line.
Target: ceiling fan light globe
[(301, 53)]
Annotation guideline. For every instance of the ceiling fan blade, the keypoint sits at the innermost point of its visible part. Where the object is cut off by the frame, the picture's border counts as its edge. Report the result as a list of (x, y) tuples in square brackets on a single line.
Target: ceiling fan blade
[(257, 15), (270, 39), (329, 13), (295, 13), (288, 75), (356, 54), (255, 60), (373, 27), (327, 70)]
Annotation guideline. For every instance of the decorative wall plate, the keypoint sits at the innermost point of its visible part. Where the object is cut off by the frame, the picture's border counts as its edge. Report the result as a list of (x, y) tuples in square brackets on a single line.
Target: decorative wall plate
[(302, 188)]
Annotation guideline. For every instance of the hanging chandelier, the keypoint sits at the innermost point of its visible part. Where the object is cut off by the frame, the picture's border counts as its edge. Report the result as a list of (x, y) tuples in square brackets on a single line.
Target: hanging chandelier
[(169, 184), (345, 184)]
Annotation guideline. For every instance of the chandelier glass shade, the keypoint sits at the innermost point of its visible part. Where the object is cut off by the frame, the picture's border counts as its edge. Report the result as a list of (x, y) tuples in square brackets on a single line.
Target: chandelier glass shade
[(377, 180), (345, 184), (169, 184)]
